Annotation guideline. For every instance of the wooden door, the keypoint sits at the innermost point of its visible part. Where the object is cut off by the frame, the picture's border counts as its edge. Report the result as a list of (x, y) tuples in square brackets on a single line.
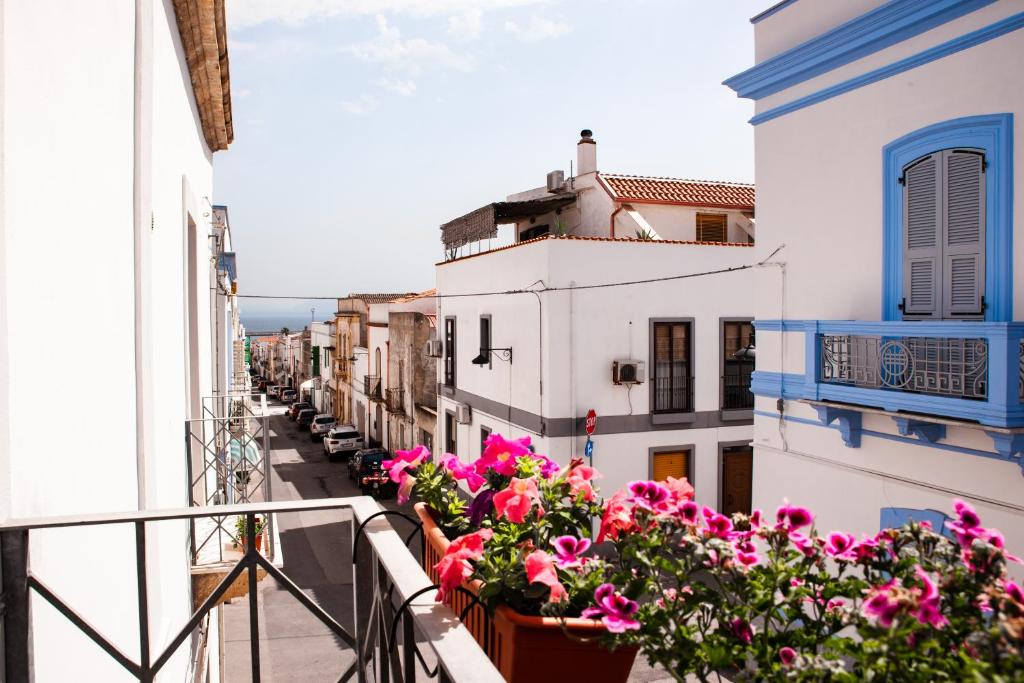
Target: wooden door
[(671, 464), (737, 479)]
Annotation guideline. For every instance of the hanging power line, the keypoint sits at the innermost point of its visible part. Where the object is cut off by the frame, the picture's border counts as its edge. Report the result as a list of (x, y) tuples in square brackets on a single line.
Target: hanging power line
[(540, 290)]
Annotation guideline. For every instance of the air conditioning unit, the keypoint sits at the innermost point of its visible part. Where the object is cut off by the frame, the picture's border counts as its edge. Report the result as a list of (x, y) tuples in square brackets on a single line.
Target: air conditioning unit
[(556, 179), (434, 348), (463, 414), (628, 372)]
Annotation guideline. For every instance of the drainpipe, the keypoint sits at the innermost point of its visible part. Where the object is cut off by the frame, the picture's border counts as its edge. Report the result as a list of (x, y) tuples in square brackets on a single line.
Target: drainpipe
[(611, 221), (141, 219)]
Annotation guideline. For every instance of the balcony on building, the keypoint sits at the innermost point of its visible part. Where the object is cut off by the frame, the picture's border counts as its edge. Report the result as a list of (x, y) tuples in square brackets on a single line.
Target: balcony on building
[(371, 386), (395, 400)]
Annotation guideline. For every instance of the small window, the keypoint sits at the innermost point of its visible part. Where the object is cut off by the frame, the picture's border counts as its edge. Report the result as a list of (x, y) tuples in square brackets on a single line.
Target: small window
[(712, 227), (485, 338), (449, 352), (450, 439), (673, 383), (533, 232), (427, 439), (737, 364), (485, 433)]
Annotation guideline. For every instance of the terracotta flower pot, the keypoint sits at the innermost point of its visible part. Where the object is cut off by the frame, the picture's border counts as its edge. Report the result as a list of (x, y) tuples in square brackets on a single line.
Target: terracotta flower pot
[(528, 648)]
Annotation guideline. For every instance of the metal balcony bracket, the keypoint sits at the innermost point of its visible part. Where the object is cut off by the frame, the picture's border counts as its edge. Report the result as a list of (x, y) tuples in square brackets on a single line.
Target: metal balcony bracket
[(1009, 446), (925, 431), (848, 422)]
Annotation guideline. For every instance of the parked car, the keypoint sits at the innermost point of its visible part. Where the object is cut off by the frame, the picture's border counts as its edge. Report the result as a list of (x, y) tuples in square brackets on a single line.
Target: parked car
[(321, 425), (293, 411), (262, 386), (367, 470), (342, 439), (272, 390), (305, 417), (288, 396)]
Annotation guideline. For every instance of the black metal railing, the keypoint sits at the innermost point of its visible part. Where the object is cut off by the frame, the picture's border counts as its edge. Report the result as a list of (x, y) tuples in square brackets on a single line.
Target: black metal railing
[(395, 399), (736, 394), (371, 386), (389, 589)]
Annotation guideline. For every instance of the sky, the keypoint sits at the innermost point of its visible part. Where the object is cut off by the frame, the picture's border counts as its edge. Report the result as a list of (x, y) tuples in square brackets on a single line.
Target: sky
[(363, 125)]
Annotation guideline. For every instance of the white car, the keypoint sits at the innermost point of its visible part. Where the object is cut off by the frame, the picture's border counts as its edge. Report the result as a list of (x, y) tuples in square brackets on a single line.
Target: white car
[(342, 439), (321, 424)]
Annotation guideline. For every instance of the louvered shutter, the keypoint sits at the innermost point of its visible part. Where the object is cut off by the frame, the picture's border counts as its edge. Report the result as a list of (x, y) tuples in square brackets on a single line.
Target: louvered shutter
[(922, 241), (964, 248)]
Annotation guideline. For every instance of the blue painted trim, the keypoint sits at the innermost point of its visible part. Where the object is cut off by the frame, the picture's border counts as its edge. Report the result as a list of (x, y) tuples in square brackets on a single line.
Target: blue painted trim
[(992, 133), (788, 325), (893, 517), (925, 431), (968, 40), (848, 421), (777, 385), (777, 7), (893, 437), (882, 27)]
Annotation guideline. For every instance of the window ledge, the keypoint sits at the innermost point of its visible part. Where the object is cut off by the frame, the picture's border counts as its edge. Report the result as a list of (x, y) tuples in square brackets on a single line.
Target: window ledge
[(737, 415), (673, 418)]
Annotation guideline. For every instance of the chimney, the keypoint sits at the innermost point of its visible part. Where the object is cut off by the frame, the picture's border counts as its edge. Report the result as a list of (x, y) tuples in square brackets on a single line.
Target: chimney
[(586, 153)]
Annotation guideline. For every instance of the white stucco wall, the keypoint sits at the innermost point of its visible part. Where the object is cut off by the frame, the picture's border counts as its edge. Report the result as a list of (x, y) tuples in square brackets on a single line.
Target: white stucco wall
[(820, 192), (67, 98)]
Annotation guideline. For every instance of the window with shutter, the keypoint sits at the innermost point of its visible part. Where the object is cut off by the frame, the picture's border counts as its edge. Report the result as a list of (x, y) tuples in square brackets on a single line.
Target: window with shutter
[(712, 227), (944, 236)]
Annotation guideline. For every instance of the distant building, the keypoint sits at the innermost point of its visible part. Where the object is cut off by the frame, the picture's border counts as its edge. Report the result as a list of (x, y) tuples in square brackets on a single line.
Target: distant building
[(411, 393), (888, 138), (538, 333)]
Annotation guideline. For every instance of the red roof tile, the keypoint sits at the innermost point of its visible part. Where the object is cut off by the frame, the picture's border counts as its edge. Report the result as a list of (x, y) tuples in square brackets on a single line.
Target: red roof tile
[(380, 298), (675, 191)]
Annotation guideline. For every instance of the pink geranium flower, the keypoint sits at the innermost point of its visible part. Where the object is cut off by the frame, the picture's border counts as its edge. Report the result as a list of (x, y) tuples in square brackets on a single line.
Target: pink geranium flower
[(792, 517), (516, 501), (617, 517), (579, 480), (613, 609), (841, 546), (746, 553), (467, 472), (928, 608), (500, 454), (1013, 591), (454, 567), (540, 568), (688, 513), (787, 656), (680, 489), (742, 630), (649, 495), (568, 550), (882, 604), (719, 525)]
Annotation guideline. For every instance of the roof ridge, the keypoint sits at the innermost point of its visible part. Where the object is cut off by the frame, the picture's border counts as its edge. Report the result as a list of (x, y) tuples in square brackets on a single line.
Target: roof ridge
[(677, 180)]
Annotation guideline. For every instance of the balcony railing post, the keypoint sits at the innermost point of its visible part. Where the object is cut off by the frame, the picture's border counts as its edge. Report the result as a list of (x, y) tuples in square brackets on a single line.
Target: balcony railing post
[(17, 635), (1004, 354), (143, 599), (254, 613)]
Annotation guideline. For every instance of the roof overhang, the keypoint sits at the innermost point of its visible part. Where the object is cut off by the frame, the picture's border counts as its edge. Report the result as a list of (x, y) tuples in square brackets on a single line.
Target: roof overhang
[(483, 223), (204, 38)]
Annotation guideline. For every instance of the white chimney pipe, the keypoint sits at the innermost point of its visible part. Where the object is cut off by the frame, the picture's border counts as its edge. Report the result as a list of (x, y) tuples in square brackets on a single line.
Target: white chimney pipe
[(586, 153)]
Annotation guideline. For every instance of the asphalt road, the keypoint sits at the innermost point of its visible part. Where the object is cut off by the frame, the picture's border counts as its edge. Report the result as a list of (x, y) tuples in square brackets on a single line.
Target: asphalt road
[(294, 645)]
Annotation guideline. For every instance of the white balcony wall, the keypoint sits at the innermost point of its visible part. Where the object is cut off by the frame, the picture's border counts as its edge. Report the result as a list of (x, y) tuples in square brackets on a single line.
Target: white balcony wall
[(66, 287)]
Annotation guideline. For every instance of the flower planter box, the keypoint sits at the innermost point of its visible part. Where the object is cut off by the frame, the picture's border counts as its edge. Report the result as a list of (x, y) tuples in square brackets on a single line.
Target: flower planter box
[(528, 648)]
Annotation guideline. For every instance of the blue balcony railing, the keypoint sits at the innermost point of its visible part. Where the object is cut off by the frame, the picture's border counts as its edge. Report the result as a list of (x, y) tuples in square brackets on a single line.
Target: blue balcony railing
[(951, 369)]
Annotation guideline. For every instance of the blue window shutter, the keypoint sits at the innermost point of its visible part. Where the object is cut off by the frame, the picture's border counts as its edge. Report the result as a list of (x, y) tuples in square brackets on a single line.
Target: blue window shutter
[(891, 518)]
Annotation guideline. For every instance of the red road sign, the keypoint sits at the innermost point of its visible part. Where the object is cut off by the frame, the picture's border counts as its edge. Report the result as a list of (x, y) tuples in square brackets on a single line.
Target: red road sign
[(591, 422)]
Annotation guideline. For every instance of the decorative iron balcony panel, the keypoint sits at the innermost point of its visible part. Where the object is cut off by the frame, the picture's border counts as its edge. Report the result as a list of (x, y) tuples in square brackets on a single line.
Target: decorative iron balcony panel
[(954, 369), (396, 401), (371, 386), (928, 365)]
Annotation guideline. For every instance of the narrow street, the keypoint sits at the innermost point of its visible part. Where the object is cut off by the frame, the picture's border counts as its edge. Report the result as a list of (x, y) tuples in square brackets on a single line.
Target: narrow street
[(294, 645)]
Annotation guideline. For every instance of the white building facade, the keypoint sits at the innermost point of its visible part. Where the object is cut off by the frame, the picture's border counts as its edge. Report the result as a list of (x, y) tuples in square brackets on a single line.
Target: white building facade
[(888, 159), (106, 143), (651, 332)]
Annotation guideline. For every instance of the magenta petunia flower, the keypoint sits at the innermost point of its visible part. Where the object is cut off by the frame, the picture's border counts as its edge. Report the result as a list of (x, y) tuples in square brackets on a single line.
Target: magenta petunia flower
[(568, 550), (719, 526), (613, 609), (467, 472), (792, 517), (454, 567), (517, 500), (688, 512), (881, 605), (540, 568), (500, 454), (649, 495), (929, 608), (787, 656)]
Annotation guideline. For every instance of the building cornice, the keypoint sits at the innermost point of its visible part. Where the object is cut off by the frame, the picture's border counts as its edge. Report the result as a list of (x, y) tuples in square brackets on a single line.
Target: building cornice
[(205, 42)]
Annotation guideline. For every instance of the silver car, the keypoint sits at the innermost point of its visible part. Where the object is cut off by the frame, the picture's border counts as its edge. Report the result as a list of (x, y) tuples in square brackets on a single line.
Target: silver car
[(343, 439), (321, 425)]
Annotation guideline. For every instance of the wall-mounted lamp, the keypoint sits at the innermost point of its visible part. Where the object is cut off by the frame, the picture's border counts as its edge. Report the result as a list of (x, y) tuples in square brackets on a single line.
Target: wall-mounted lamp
[(484, 357)]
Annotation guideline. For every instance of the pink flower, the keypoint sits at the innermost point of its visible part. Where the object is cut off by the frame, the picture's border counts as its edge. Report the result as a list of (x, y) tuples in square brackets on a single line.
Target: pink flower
[(719, 526), (473, 480), (613, 609), (617, 517), (687, 512), (746, 553), (516, 501), (680, 489), (579, 481), (742, 630), (405, 460), (454, 567), (500, 454), (649, 495), (791, 517), (803, 543), (881, 604), (405, 488), (1014, 592), (540, 568), (841, 546), (928, 609), (568, 550), (548, 467), (787, 656), (755, 519)]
